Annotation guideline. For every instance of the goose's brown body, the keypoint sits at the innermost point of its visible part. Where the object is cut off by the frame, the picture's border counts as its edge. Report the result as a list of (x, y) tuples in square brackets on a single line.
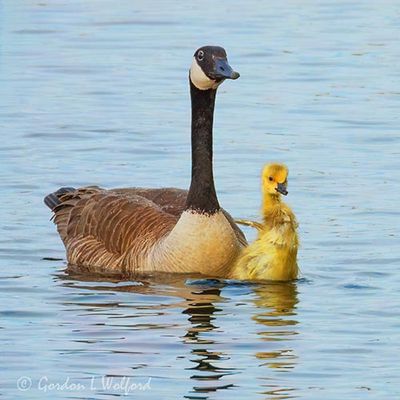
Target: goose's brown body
[(143, 230)]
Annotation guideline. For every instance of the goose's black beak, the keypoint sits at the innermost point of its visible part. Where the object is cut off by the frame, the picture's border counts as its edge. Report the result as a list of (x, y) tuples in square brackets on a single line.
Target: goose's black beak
[(282, 189), (222, 70)]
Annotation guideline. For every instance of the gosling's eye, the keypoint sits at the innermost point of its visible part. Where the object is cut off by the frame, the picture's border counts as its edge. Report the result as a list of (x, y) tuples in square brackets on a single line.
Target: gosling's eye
[(270, 178), (200, 55)]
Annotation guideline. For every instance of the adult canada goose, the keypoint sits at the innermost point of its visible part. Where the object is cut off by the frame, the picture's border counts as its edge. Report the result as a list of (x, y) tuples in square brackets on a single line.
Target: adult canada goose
[(273, 255), (172, 230)]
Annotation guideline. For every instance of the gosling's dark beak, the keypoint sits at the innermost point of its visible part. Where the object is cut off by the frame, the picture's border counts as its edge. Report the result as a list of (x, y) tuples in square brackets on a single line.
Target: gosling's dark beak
[(222, 70), (282, 189)]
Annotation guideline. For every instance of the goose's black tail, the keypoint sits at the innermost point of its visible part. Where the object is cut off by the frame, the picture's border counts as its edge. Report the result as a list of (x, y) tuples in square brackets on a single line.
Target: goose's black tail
[(52, 200)]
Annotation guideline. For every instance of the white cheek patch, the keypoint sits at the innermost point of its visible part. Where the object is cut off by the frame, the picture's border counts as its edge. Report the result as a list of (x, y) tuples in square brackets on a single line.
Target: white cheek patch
[(200, 79)]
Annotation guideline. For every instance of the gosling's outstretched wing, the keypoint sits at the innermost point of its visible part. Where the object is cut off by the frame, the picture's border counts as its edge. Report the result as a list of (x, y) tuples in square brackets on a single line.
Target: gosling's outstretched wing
[(253, 224)]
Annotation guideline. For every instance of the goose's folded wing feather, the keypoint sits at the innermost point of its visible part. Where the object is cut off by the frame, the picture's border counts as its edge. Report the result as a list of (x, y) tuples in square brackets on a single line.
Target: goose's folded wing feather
[(118, 222), (238, 232), (170, 200)]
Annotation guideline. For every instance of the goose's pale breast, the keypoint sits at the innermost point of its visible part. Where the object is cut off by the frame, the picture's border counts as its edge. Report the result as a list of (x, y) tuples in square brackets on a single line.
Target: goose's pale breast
[(199, 243)]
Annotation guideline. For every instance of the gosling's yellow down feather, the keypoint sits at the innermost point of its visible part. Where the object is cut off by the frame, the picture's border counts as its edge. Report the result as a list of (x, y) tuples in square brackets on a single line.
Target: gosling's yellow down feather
[(273, 255)]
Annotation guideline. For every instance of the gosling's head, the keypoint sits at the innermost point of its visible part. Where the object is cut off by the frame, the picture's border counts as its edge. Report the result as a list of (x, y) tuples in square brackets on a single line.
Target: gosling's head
[(274, 179), (210, 68)]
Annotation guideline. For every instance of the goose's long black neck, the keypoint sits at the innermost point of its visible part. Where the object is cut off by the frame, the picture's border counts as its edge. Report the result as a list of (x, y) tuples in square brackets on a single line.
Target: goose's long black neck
[(202, 197)]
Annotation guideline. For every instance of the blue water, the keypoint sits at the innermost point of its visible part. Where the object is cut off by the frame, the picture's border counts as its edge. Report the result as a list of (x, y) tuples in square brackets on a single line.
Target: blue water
[(96, 92)]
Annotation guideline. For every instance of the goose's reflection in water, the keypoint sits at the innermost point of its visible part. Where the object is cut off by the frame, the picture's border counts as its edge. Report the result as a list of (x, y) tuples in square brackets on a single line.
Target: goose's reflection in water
[(210, 336), (203, 313)]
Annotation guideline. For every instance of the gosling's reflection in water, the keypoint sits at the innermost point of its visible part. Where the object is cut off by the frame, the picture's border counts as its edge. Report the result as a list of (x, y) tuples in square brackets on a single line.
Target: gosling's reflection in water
[(237, 337), (276, 313)]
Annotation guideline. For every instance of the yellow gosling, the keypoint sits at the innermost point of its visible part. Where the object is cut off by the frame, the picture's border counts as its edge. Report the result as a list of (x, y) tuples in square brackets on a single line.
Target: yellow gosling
[(273, 255)]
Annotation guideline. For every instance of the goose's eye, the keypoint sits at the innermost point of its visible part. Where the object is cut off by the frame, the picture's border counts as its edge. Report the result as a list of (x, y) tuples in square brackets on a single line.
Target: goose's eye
[(270, 178), (200, 55)]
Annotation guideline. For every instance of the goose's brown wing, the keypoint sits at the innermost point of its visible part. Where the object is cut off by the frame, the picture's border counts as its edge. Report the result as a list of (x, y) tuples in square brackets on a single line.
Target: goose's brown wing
[(173, 201), (239, 234), (170, 200), (99, 226)]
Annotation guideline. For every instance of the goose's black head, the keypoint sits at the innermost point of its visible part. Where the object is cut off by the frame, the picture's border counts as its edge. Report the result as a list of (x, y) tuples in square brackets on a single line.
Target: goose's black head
[(210, 68)]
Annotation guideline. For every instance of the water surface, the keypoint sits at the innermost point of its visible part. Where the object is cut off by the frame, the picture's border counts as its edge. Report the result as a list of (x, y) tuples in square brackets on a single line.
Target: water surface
[(96, 93)]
